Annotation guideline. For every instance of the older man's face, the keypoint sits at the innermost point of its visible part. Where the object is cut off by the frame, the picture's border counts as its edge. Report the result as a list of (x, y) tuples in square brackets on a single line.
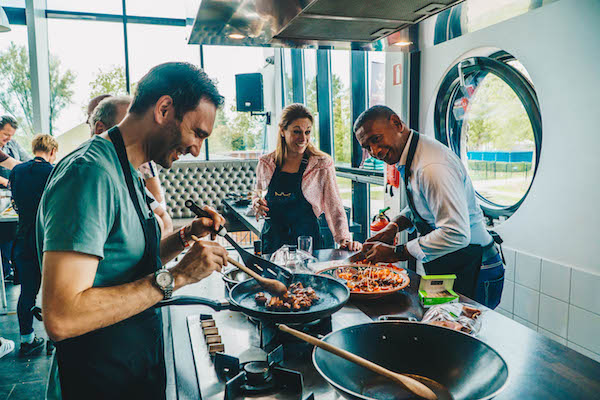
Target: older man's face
[(6, 134)]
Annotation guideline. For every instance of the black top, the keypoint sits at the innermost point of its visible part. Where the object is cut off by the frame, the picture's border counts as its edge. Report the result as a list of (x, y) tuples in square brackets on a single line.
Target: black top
[(27, 182)]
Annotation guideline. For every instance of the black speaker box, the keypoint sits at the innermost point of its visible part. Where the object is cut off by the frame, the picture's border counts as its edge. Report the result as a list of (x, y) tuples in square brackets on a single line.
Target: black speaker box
[(249, 92)]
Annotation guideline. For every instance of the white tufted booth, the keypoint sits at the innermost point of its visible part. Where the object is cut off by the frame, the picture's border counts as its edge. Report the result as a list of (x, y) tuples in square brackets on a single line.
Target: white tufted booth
[(205, 182)]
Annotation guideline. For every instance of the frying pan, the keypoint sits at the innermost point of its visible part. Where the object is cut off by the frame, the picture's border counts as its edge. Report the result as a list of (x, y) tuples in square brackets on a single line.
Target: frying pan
[(332, 296), (463, 367)]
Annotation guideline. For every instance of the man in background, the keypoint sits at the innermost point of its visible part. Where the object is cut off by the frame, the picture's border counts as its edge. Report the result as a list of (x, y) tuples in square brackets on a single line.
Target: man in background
[(27, 182), (109, 112), (8, 127)]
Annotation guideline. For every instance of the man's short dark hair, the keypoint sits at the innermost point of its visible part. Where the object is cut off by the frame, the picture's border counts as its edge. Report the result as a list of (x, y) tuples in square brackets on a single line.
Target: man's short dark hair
[(184, 82), (7, 119), (372, 114)]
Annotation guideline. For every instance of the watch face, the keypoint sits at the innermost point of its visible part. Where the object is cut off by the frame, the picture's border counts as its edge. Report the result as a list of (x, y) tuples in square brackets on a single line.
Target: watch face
[(164, 279)]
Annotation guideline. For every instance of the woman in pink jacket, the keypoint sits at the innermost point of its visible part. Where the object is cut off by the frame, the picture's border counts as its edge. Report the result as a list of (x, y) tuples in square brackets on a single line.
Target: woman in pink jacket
[(300, 183)]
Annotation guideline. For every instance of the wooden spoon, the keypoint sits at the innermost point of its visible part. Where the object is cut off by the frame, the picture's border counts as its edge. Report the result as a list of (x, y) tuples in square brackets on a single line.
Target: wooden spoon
[(271, 285), (410, 384)]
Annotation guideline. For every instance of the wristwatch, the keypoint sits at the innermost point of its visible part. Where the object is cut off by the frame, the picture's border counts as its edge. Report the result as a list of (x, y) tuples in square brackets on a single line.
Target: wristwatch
[(165, 282), (399, 250)]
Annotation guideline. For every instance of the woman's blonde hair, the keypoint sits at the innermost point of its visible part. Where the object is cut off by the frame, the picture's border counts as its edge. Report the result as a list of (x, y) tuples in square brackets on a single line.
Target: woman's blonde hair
[(288, 115), (43, 143)]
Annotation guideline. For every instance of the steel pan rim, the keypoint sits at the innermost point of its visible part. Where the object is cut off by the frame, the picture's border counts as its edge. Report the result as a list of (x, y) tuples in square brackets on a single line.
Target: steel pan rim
[(363, 397), (272, 315)]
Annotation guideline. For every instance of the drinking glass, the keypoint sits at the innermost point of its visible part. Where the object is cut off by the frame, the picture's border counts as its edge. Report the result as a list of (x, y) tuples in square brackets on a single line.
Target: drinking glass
[(305, 243)]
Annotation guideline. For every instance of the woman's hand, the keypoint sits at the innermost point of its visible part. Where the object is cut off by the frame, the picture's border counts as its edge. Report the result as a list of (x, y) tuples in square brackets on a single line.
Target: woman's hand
[(350, 245), (260, 207)]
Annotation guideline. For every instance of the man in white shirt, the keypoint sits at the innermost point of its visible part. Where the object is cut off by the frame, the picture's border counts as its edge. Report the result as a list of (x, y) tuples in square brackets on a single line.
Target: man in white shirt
[(441, 206)]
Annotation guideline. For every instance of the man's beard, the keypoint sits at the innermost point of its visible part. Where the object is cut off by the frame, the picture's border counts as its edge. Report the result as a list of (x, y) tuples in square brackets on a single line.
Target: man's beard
[(162, 147)]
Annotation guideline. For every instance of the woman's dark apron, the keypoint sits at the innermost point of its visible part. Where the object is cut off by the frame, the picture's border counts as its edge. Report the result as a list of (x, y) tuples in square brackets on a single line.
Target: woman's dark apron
[(290, 214), (124, 360), (464, 263)]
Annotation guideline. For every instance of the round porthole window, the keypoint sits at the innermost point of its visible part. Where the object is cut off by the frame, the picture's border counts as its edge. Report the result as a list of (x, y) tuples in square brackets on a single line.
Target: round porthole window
[(487, 112)]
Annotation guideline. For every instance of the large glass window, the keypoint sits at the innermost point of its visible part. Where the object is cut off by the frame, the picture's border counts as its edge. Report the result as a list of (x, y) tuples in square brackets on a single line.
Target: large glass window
[(375, 200), (376, 93), (310, 81), (236, 134), (286, 77), (340, 88), (103, 7), (79, 73), (487, 112), (345, 187), (15, 94), (150, 45), (160, 8)]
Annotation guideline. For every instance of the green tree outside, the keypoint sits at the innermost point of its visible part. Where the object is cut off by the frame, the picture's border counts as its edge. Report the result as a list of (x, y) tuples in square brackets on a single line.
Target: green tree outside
[(109, 82), (15, 90)]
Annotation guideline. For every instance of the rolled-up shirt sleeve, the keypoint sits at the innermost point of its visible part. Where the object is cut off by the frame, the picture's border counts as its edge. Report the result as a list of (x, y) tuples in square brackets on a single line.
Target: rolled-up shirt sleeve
[(442, 189)]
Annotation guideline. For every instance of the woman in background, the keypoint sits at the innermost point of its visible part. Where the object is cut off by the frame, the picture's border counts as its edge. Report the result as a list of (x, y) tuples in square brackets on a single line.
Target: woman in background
[(301, 185)]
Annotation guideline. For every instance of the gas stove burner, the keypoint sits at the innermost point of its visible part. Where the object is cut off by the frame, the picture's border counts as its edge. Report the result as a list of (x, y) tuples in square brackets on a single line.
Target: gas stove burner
[(254, 377), (258, 375)]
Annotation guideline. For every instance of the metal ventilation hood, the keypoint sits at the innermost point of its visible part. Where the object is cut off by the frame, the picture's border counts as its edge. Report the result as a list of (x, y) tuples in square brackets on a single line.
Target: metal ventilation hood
[(345, 24)]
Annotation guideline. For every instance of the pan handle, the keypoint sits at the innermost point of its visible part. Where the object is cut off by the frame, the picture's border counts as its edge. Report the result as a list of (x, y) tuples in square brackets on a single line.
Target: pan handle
[(396, 318), (194, 301), (200, 213)]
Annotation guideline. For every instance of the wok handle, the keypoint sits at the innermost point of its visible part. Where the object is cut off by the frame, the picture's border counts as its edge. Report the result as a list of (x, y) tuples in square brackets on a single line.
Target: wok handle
[(200, 213), (411, 384), (194, 301)]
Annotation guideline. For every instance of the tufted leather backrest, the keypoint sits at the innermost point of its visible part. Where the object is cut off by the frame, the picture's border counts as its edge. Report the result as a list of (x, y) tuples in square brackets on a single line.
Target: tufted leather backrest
[(205, 182)]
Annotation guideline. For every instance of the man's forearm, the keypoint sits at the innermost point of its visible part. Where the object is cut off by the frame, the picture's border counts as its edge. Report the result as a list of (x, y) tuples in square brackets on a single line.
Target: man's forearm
[(171, 245), (3, 181), (98, 307)]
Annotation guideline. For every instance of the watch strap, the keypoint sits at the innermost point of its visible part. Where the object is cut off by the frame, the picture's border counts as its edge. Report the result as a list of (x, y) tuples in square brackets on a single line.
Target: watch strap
[(167, 291)]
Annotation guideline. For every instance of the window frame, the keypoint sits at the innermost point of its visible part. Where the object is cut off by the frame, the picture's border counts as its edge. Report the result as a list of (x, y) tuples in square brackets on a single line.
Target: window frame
[(497, 64)]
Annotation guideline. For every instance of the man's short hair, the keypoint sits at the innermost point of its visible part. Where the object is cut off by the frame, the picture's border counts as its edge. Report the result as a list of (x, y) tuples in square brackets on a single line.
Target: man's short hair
[(7, 119), (94, 103), (43, 143), (184, 82), (107, 110), (372, 114)]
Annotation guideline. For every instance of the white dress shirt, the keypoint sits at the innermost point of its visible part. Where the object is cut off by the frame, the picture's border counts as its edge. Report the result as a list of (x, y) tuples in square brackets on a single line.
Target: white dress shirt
[(443, 195)]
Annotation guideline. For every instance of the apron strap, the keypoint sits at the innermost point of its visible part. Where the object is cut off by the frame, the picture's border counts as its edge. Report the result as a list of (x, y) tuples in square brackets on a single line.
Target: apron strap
[(117, 140), (421, 225)]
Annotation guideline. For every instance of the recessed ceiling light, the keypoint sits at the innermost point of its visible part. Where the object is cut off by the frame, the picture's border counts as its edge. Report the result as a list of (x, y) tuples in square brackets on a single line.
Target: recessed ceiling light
[(402, 43), (237, 36)]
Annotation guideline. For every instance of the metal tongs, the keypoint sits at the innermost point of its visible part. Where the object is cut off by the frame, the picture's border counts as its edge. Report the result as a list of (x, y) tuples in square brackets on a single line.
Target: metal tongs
[(257, 264)]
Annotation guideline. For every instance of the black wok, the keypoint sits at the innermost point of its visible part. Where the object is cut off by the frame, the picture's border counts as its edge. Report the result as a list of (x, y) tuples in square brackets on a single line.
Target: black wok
[(465, 367), (332, 296)]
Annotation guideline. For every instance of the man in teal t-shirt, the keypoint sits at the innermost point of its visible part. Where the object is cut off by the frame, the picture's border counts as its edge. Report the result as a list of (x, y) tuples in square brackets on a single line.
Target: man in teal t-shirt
[(99, 242)]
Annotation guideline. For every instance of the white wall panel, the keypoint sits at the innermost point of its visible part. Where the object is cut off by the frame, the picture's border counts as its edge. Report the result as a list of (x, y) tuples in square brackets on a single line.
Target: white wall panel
[(559, 45)]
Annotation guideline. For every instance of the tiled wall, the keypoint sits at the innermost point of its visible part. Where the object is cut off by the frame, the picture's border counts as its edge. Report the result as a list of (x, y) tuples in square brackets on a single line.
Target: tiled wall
[(555, 300)]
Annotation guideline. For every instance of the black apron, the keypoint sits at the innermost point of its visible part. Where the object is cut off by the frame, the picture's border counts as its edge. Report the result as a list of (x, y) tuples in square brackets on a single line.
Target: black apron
[(290, 214), (124, 360), (464, 263)]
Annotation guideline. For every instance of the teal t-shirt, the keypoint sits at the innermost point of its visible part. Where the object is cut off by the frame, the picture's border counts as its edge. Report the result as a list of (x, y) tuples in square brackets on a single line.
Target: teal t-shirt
[(86, 208)]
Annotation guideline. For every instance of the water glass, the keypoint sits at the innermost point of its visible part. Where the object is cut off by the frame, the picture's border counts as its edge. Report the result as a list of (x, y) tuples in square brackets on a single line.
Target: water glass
[(305, 243)]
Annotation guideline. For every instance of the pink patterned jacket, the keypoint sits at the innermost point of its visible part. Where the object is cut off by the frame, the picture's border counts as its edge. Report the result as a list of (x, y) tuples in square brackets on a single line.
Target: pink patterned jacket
[(319, 188)]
